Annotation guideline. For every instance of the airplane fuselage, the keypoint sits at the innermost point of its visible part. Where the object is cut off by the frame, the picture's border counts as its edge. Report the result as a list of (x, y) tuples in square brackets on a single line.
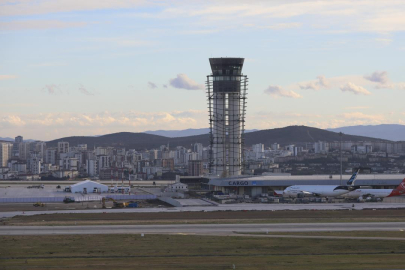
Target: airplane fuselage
[(377, 193), (315, 190)]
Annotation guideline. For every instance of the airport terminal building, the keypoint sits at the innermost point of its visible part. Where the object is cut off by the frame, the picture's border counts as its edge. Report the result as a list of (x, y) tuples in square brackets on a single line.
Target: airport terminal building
[(256, 185)]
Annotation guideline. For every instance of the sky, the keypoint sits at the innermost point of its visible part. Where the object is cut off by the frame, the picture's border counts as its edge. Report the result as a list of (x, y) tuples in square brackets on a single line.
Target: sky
[(91, 67)]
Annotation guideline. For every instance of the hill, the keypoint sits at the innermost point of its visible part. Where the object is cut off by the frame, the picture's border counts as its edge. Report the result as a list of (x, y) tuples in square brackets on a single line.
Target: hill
[(8, 139), (179, 133), (387, 132), (185, 132), (298, 135), (283, 136)]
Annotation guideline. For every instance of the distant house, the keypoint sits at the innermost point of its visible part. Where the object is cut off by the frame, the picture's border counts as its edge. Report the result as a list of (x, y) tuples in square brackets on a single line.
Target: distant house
[(177, 187)]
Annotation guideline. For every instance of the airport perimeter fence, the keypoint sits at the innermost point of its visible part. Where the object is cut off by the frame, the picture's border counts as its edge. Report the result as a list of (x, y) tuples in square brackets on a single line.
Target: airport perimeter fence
[(77, 199), (133, 197), (31, 200)]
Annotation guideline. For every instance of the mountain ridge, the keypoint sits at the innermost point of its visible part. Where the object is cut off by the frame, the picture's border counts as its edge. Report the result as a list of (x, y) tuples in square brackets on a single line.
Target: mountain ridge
[(184, 132), (392, 132), (283, 136)]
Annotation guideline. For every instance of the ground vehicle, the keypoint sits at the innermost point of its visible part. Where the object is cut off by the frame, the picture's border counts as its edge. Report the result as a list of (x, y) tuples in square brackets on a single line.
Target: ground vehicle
[(69, 199), (37, 186), (39, 204), (119, 190), (118, 204), (104, 200)]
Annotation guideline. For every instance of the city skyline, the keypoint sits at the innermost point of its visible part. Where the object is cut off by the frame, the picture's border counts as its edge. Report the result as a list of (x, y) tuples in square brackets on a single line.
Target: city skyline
[(85, 68)]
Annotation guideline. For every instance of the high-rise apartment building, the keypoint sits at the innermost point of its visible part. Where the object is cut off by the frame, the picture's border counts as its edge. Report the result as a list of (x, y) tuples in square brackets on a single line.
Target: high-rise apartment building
[(226, 89), (51, 156), (195, 168), (198, 148), (4, 153), (18, 139), (16, 146), (63, 147)]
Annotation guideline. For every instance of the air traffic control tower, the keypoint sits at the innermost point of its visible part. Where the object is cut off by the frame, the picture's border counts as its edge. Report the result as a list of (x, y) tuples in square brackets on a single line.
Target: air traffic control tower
[(226, 89)]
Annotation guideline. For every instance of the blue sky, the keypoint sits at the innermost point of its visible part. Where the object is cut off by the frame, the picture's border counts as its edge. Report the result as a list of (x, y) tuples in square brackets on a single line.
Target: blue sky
[(94, 67)]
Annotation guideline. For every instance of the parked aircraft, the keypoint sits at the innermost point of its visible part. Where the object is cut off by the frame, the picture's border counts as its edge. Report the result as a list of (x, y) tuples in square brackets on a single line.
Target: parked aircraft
[(300, 191), (362, 193)]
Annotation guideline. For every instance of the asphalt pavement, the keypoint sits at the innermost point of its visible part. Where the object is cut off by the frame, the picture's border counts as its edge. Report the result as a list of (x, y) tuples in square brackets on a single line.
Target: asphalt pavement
[(203, 229), (225, 207)]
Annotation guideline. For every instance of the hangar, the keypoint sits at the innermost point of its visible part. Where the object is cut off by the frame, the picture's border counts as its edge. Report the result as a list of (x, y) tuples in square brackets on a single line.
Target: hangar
[(255, 185), (88, 186)]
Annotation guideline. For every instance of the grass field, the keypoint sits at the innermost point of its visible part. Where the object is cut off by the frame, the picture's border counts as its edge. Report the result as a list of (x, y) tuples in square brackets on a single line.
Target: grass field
[(387, 215), (195, 252)]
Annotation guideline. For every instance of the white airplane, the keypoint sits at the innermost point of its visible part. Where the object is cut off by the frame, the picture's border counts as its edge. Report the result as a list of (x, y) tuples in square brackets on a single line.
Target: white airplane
[(376, 193), (300, 191)]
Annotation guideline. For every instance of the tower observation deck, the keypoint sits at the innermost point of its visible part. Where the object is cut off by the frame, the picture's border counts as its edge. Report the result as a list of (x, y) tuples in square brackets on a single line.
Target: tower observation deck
[(226, 90)]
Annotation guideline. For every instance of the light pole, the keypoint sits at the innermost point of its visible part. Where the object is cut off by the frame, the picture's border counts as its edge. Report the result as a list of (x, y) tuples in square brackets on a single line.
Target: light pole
[(341, 161)]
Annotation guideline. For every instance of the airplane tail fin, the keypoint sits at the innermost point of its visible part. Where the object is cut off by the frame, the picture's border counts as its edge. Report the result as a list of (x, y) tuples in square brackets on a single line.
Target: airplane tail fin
[(401, 186), (400, 189), (353, 178)]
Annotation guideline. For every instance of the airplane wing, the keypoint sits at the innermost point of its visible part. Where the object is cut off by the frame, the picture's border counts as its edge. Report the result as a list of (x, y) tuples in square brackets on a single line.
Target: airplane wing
[(365, 195)]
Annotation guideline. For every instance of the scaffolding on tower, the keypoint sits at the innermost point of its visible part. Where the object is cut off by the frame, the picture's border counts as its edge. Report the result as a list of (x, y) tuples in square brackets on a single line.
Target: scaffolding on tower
[(226, 107)]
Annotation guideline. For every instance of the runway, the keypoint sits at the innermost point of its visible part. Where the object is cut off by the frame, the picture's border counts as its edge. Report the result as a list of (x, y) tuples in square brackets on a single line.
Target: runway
[(226, 207), (201, 229)]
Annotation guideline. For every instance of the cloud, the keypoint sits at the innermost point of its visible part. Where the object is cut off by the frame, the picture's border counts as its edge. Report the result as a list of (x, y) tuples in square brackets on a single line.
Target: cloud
[(336, 17), (122, 41), (276, 26), (378, 77), (48, 64), (38, 24), (7, 77), (322, 81), (83, 90), (401, 86), (357, 108), (280, 26), (378, 80), (363, 116), (55, 125), (339, 16), (389, 19), (381, 79), (278, 91), (351, 87), (184, 82), (151, 85), (53, 89), (11, 121), (316, 85), (384, 41), (27, 7), (385, 86)]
